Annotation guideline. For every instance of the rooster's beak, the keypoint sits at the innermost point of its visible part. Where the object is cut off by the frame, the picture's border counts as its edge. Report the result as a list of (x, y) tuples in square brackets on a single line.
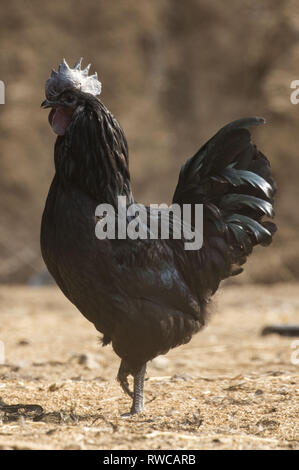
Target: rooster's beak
[(46, 104)]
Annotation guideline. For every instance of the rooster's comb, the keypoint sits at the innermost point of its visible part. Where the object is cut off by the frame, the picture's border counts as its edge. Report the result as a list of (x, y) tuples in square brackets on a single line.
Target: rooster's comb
[(68, 77)]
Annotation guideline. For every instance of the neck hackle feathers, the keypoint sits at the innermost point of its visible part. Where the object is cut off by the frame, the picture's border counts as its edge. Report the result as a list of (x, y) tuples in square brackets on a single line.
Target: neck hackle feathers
[(75, 77)]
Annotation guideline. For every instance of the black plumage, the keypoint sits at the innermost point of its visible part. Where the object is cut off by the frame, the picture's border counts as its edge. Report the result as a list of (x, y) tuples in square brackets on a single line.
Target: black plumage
[(148, 296)]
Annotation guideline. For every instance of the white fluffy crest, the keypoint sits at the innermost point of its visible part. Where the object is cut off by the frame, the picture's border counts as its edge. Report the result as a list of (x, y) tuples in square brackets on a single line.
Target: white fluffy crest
[(67, 77)]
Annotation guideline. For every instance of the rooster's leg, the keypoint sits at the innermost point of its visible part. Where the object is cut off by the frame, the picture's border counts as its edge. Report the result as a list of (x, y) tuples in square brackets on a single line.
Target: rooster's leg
[(122, 377), (138, 404)]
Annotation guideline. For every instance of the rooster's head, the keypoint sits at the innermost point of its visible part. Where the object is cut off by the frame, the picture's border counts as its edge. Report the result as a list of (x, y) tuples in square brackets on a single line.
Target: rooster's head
[(66, 90)]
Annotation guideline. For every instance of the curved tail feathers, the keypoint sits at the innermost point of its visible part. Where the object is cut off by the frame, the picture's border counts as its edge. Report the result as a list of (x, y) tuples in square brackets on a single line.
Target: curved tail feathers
[(232, 179)]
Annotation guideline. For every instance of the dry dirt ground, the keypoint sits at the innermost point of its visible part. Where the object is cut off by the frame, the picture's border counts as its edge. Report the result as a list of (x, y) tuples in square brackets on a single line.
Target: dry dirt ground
[(230, 388)]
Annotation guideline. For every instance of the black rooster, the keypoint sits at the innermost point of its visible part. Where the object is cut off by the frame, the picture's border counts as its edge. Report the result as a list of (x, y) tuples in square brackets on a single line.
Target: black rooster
[(145, 296)]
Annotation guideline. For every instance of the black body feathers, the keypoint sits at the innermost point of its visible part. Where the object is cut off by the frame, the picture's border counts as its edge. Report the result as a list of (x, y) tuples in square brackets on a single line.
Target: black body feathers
[(147, 296)]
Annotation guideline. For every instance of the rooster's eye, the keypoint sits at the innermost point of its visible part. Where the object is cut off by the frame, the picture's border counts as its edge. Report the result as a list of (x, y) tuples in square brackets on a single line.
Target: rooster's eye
[(69, 99)]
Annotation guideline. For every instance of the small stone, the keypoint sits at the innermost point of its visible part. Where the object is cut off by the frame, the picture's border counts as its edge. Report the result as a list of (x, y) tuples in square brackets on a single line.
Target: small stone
[(88, 361), (183, 377), (54, 387), (160, 362), (267, 423), (23, 342)]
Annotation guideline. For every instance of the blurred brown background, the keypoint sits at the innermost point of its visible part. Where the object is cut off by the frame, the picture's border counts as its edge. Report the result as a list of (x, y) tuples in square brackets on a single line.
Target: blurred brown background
[(173, 72)]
